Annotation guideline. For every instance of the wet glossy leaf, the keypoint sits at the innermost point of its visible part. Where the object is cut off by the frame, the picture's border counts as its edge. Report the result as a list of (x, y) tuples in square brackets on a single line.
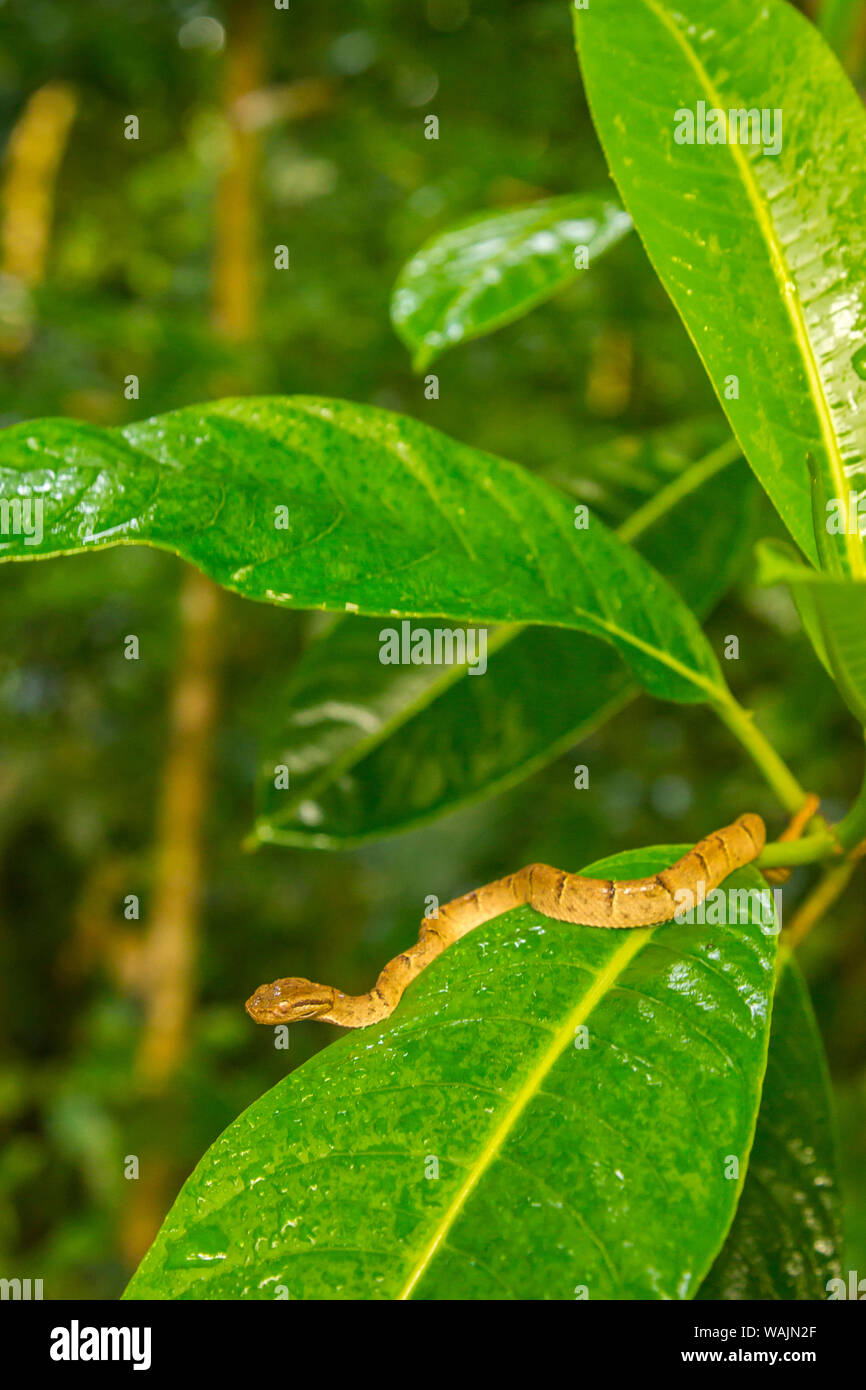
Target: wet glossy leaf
[(387, 516), (763, 254), (548, 1114), (486, 272), (373, 749), (786, 1240)]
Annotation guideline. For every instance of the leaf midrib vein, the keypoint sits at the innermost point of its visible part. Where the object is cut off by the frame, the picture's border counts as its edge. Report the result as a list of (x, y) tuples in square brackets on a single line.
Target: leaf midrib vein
[(522, 1098), (783, 276)]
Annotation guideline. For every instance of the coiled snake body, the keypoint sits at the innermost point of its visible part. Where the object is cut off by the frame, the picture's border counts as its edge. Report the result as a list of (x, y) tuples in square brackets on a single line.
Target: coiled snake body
[(592, 902)]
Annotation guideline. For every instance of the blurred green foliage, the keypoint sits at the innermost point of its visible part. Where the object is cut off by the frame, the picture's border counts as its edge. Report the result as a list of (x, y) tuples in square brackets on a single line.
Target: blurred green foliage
[(354, 190)]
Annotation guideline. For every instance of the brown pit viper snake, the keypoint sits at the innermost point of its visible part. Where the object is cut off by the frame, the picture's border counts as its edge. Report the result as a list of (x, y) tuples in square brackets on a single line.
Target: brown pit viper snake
[(591, 902)]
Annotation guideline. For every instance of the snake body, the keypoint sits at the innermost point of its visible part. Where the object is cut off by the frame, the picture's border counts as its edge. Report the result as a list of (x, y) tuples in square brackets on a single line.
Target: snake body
[(592, 902)]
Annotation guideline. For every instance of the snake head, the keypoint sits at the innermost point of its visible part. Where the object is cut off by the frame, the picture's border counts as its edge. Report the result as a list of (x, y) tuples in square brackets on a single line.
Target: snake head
[(287, 1001)]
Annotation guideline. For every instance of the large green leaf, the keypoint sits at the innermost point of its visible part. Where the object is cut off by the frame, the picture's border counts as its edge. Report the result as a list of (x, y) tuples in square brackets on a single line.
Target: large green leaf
[(764, 255), (492, 269), (373, 749), (833, 611), (786, 1240), (473, 1147), (387, 517)]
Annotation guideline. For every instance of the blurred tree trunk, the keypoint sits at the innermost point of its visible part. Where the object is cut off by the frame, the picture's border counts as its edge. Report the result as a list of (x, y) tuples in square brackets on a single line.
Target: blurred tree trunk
[(235, 261), (32, 161)]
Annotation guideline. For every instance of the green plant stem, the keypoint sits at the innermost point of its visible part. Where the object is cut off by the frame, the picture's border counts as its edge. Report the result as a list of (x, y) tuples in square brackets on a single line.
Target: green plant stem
[(783, 854), (826, 842), (776, 773), (688, 481)]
